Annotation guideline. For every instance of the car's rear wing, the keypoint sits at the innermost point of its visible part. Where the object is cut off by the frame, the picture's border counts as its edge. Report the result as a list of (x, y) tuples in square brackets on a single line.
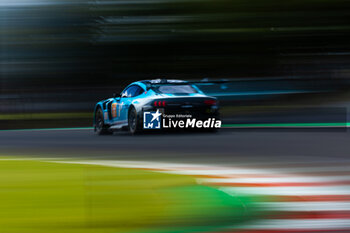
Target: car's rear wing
[(157, 82)]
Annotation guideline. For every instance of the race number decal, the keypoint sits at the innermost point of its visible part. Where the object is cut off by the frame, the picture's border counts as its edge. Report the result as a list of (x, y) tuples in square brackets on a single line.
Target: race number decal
[(114, 110)]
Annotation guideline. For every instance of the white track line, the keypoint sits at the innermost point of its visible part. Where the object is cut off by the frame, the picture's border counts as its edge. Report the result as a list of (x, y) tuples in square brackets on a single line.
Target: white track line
[(289, 224), (305, 206), (288, 191), (210, 170), (296, 179), (240, 171)]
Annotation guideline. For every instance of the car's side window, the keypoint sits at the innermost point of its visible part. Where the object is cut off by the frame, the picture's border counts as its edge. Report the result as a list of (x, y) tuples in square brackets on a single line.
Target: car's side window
[(128, 92), (132, 91), (139, 91)]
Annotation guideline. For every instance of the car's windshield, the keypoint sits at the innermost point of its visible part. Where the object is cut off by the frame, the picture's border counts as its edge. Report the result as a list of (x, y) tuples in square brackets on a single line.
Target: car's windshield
[(175, 89)]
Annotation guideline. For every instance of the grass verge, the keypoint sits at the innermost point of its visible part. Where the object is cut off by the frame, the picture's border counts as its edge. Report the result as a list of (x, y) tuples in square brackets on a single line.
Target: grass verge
[(38, 196)]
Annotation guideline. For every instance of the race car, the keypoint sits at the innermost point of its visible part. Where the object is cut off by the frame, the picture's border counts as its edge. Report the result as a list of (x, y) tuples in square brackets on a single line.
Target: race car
[(126, 111)]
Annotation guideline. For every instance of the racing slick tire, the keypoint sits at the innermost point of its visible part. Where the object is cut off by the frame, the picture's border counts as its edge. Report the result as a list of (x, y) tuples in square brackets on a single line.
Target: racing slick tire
[(134, 125), (100, 127)]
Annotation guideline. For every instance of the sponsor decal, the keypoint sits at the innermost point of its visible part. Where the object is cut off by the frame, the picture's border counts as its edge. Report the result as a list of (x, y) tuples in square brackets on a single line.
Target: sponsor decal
[(114, 110), (158, 120)]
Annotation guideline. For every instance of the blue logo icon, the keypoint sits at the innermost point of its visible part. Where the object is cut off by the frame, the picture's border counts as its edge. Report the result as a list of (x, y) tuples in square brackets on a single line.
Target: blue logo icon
[(151, 120)]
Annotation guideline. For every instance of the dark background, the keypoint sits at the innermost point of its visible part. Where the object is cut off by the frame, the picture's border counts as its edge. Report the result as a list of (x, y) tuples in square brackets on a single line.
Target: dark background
[(63, 56)]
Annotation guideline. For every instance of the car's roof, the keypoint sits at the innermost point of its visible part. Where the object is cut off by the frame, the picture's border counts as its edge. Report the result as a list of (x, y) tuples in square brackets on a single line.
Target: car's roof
[(160, 81), (146, 83)]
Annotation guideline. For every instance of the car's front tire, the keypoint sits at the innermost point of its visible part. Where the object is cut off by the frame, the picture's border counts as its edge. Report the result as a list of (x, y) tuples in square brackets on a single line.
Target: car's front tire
[(100, 127)]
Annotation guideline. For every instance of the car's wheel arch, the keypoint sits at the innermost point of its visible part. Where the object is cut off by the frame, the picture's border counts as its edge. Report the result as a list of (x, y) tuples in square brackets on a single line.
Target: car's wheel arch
[(138, 110), (100, 128), (97, 107), (139, 116)]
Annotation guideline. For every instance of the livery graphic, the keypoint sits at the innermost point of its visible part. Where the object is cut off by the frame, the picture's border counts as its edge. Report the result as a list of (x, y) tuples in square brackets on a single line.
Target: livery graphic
[(114, 110)]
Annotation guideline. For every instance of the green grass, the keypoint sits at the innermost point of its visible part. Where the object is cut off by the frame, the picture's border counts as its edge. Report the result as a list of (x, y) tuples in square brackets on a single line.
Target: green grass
[(43, 116), (40, 197)]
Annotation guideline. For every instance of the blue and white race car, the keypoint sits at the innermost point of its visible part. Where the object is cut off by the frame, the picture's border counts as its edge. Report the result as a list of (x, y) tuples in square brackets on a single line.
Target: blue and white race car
[(126, 111)]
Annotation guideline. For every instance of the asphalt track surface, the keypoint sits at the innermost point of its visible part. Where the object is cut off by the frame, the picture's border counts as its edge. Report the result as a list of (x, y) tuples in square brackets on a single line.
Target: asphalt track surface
[(226, 146)]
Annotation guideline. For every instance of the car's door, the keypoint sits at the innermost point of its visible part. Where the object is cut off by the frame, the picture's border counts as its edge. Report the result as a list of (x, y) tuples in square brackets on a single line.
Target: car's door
[(112, 110), (126, 99)]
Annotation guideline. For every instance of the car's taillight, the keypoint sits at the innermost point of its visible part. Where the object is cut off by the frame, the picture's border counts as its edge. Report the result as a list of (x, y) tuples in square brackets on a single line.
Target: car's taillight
[(210, 102), (159, 103)]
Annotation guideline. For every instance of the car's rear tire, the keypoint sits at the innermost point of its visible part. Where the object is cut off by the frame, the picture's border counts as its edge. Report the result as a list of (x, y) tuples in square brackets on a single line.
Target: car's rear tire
[(100, 127), (134, 125)]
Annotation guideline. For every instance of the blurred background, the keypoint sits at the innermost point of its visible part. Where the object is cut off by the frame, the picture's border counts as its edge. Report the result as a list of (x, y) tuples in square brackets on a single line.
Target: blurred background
[(59, 57), (285, 63)]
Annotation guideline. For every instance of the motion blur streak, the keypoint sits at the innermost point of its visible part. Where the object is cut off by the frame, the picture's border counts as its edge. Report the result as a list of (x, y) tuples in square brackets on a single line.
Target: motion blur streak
[(327, 214), (284, 63), (61, 56)]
